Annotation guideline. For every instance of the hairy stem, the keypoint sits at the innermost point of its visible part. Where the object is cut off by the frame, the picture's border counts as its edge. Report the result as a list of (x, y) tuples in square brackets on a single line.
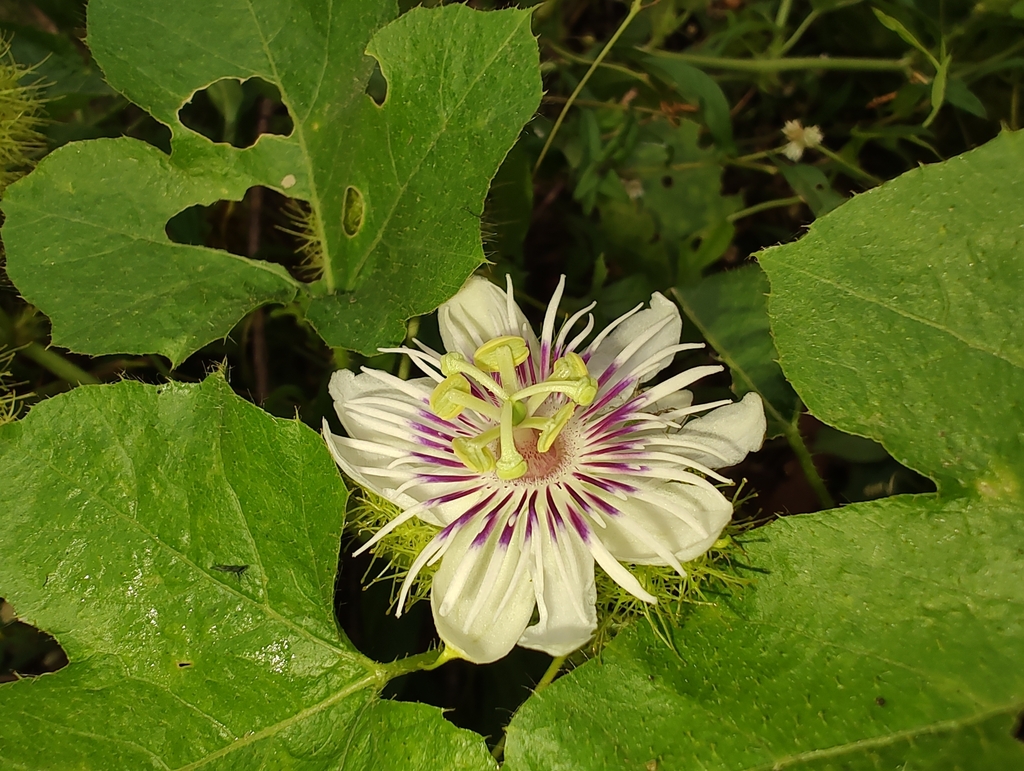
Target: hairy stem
[(421, 662)]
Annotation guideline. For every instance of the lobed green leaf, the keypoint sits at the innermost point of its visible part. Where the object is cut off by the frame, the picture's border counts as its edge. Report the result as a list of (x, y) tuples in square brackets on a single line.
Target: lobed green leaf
[(85, 236), (896, 316), (182, 545)]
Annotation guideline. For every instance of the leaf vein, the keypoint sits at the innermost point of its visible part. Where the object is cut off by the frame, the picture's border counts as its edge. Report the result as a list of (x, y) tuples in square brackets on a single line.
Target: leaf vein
[(433, 143), (972, 344)]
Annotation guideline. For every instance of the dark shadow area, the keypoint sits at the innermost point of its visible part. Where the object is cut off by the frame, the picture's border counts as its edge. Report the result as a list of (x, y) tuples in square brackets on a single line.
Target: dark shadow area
[(237, 112), (264, 225), (1018, 729), (24, 650)]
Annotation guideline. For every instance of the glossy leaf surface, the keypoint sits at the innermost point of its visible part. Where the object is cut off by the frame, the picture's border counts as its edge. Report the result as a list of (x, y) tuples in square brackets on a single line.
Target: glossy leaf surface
[(181, 545)]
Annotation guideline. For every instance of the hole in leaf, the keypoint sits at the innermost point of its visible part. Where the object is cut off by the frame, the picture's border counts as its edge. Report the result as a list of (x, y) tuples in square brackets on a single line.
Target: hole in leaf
[(667, 181), (184, 664), (377, 86), (1018, 730), (237, 112), (352, 211), (264, 225), (24, 650)]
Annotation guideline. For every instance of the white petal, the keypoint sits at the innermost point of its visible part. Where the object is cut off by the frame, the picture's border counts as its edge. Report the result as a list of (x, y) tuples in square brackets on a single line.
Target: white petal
[(353, 460), (678, 400), (346, 387), (633, 328), (375, 444), (729, 433), (685, 519), (478, 313), (481, 634), (566, 596)]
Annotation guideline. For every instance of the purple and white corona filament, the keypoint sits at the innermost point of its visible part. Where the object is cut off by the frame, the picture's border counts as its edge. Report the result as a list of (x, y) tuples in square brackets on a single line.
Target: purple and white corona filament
[(536, 458)]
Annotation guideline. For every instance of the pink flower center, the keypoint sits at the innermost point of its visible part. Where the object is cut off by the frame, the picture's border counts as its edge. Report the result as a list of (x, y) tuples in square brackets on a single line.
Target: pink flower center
[(542, 466)]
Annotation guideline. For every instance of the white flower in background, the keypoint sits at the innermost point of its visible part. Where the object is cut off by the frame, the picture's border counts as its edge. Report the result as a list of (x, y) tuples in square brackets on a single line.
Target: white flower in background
[(800, 139), (535, 460)]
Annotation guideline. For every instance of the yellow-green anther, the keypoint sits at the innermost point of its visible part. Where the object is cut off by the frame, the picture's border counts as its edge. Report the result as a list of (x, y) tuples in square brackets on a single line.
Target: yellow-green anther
[(443, 399), (570, 367), (554, 427), (455, 363), (503, 355), (511, 464), (486, 355), (474, 456)]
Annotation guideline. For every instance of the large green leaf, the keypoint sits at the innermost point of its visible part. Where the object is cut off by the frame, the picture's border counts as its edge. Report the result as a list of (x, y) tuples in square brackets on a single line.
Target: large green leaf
[(85, 233), (898, 317), (888, 634), (182, 545), (860, 649)]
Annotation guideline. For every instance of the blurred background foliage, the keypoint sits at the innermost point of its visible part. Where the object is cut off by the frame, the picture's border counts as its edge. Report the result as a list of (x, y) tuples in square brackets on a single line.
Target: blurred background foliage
[(676, 138)]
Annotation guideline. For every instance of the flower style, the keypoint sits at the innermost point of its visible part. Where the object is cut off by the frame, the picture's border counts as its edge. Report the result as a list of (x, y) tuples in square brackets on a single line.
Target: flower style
[(537, 460)]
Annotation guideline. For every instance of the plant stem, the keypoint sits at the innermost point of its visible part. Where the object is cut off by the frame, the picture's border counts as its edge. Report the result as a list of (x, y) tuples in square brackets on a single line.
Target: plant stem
[(570, 56), (257, 322), (783, 15), (806, 461), (808, 21), (56, 364), (764, 206), (47, 359), (405, 363), (762, 167), (853, 168), (1015, 106), (552, 672), (798, 33), (421, 662), (792, 63), (607, 105), (634, 9), (499, 748)]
